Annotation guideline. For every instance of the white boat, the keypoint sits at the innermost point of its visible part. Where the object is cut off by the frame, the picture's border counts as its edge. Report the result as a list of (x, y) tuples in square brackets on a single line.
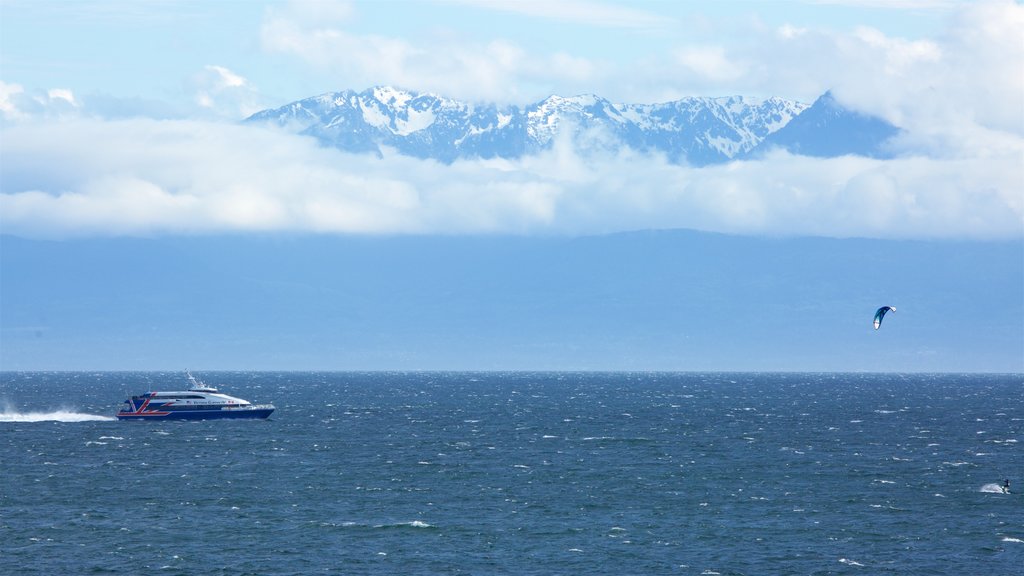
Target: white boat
[(199, 402)]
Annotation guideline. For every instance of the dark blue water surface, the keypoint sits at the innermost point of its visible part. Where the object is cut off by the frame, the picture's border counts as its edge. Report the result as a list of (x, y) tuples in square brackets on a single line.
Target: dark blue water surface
[(518, 473)]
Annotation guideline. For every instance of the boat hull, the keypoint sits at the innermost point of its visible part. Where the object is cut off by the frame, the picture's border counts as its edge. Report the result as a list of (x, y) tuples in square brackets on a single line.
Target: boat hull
[(230, 414)]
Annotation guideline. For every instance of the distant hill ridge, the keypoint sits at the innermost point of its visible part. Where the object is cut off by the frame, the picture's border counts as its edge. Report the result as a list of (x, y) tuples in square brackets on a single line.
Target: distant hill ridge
[(697, 131)]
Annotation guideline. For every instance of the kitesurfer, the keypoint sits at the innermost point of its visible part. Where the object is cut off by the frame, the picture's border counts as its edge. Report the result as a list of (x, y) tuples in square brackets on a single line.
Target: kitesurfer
[(1006, 486)]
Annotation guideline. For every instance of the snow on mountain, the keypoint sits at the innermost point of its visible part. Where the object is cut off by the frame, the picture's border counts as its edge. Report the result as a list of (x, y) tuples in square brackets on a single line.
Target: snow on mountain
[(697, 131), (827, 129)]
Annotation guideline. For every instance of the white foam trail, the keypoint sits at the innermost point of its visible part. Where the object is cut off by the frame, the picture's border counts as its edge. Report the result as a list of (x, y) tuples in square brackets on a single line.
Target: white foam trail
[(55, 416)]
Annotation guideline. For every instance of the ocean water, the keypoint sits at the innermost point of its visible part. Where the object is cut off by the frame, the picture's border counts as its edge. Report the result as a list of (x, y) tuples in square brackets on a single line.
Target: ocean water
[(518, 473)]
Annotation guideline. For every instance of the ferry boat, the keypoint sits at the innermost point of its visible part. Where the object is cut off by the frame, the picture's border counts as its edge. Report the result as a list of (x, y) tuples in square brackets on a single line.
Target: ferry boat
[(199, 402)]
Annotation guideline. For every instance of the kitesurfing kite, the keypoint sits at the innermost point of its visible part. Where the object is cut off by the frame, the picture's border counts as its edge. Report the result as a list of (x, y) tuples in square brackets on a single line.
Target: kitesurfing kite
[(880, 313)]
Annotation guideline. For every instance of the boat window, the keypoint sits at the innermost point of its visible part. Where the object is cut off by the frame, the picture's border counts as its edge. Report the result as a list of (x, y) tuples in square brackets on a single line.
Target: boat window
[(181, 397)]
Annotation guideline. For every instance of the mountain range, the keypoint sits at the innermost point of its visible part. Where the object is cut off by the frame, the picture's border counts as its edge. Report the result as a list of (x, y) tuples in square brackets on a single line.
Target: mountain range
[(697, 131)]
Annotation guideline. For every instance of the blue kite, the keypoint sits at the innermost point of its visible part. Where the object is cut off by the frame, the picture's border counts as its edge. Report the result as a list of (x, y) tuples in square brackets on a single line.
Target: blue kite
[(880, 313)]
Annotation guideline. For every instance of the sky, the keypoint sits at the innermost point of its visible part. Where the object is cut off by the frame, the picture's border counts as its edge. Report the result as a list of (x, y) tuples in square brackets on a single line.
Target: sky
[(121, 139), (122, 117)]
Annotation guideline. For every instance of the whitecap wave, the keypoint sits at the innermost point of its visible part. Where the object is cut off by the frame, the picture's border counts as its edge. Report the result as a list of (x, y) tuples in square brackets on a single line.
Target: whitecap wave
[(992, 488), (55, 416), (412, 524)]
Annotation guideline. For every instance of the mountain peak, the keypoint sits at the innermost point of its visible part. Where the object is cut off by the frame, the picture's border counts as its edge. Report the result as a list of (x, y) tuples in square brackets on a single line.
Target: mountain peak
[(696, 131), (828, 129), (391, 96)]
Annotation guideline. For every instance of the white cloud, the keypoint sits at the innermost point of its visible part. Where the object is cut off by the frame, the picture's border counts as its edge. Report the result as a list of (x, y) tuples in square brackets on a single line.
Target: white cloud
[(789, 32), (492, 70), (61, 94), (709, 63), (216, 91), (9, 94), (224, 93), (17, 105), (198, 177), (968, 81)]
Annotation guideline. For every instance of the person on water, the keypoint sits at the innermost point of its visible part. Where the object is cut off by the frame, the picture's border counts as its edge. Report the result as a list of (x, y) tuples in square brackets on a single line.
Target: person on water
[(1006, 486)]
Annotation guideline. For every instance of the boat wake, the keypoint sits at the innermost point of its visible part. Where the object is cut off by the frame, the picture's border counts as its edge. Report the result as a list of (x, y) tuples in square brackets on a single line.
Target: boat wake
[(55, 416)]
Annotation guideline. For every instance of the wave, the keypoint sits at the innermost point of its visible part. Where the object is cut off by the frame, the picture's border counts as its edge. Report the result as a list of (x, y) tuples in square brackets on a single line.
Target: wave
[(413, 524), (55, 416), (395, 525), (992, 488)]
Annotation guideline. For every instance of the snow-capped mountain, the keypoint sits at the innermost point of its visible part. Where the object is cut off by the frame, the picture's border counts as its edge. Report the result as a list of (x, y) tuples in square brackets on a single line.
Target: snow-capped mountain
[(827, 129), (697, 131)]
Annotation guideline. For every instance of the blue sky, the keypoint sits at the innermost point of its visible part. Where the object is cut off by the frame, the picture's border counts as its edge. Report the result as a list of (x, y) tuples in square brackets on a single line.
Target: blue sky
[(120, 136), (138, 105)]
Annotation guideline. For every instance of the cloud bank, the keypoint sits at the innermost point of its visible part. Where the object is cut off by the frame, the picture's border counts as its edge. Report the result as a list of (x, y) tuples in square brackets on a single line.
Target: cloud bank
[(147, 177)]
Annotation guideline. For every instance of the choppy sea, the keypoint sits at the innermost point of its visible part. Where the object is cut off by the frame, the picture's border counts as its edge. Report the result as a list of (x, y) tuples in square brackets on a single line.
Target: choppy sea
[(518, 473)]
